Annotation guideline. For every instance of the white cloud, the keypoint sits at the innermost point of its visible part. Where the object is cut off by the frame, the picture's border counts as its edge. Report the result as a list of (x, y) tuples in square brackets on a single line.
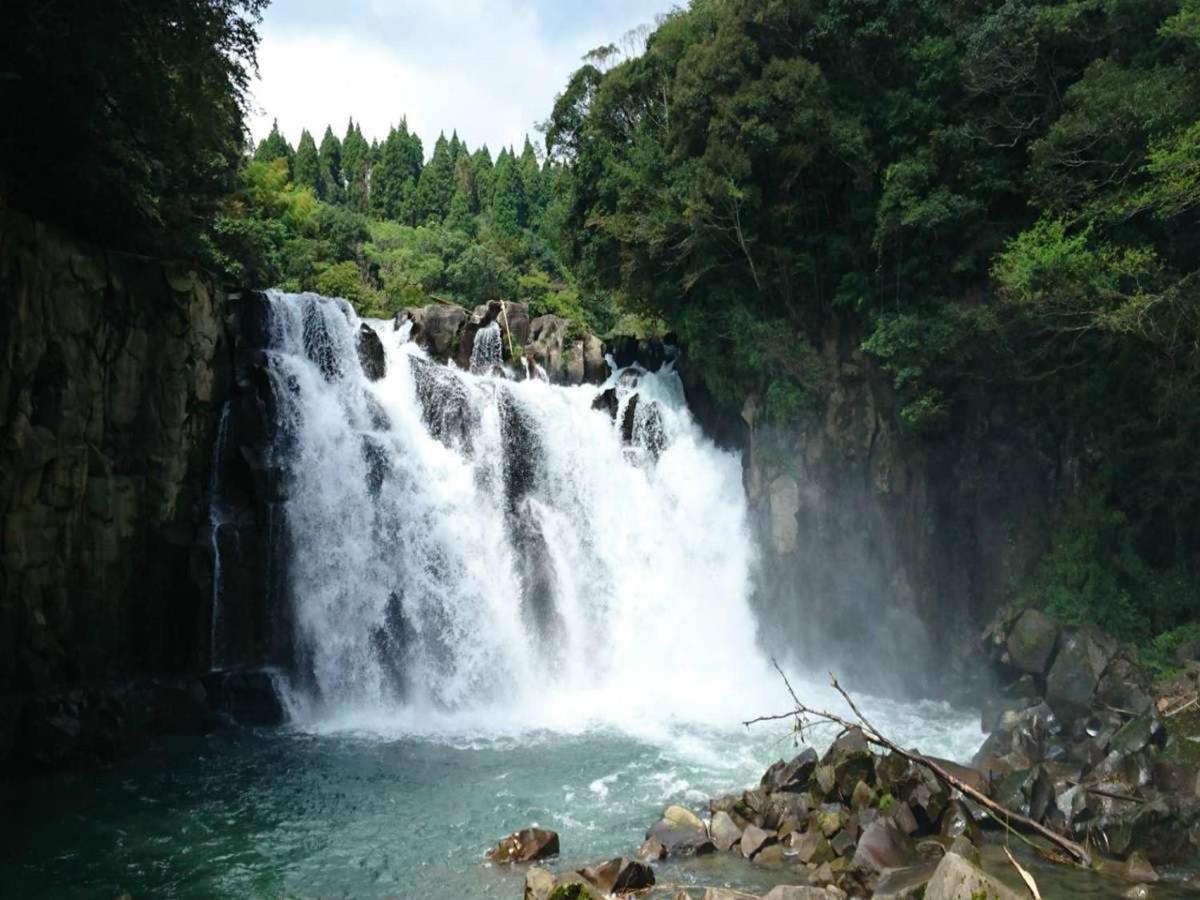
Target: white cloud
[(489, 70)]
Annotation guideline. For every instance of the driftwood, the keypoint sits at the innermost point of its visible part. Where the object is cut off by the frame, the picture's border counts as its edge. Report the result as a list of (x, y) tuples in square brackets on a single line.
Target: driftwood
[(1003, 814)]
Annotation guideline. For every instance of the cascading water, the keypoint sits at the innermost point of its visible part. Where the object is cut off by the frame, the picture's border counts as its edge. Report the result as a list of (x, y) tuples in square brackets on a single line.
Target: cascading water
[(477, 553), (470, 543), (217, 516)]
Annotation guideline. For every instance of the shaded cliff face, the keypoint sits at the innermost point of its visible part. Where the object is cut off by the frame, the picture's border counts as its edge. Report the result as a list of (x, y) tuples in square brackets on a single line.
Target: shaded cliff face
[(110, 372), (883, 555)]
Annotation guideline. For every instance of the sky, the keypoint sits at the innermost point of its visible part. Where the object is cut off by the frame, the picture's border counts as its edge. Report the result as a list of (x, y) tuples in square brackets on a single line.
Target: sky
[(491, 70)]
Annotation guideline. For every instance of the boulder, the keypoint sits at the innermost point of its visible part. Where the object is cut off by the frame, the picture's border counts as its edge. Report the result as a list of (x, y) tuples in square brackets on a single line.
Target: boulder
[(565, 350), (904, 884), (771, 855), (956, 878), (755, 839), (652, 850), (724, 831), (717, 893), (619, 875), (526, 845), (370, 353), (884, 846), (436, 327), (1030, 642), (791, 776), (681, 840), (1075, 674), (1138, 868), (812, 847), (1138, 734), (957, 821), (799, 892), (538, 884), (679, 817)]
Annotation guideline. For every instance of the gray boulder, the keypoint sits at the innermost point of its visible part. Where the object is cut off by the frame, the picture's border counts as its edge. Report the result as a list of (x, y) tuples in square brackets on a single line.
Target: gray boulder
[(1073, 678), (1030, 642), (955, 878), (724, 831)]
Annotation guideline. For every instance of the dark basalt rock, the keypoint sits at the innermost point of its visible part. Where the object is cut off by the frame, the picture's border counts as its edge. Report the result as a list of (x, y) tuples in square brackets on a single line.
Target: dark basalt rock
[(247, 696), (791, 776), (370, 353)]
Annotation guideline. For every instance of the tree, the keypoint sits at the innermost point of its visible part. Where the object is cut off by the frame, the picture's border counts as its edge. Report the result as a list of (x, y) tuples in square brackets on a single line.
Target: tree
[(330, 158), (436, 184), (275, 146), (508, 199), (306, 167), (482, 169), (356, 167), (395, 167), (126, 121), (533, 185)]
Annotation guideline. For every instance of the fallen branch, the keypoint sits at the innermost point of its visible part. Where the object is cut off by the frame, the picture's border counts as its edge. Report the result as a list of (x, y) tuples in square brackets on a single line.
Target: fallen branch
[(1002, 813)]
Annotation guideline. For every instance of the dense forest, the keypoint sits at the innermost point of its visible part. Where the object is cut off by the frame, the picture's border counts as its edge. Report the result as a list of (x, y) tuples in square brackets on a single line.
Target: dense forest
[(993, 199)]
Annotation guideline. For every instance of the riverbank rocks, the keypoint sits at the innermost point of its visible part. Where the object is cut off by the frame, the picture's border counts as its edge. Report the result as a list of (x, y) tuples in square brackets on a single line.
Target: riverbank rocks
[(681, 833), (526, 845), (1077, 743)]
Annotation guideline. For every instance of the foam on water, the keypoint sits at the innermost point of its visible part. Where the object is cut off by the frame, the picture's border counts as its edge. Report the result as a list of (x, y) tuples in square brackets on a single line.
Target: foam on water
[(482, 559)]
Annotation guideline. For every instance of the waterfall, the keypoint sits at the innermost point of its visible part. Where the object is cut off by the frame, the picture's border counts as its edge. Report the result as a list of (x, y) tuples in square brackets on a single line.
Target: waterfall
[(217, 517), (463, 544), (487, 350)]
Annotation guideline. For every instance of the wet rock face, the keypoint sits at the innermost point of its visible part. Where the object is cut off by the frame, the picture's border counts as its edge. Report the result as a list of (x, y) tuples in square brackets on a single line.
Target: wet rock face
[(876, 549), (112, 373), (370, 353)]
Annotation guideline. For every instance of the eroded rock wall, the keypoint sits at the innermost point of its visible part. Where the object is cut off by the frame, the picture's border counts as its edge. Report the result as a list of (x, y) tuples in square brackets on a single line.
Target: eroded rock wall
[(112, 370), (884, 554)]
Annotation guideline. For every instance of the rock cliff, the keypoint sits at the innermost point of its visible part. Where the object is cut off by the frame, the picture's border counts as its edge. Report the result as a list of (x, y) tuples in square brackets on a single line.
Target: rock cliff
[(112, 368), (884, 554)]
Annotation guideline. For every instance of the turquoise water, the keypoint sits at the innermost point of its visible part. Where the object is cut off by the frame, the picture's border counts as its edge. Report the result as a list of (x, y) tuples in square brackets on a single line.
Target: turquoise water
[(284, 813)]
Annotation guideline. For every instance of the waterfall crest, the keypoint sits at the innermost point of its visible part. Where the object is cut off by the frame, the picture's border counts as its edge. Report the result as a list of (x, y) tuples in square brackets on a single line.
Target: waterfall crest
[(467, 545)]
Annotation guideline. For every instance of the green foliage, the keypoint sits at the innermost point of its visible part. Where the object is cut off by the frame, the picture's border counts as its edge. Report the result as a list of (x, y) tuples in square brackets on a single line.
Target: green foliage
[(125, 121), (1159, 654), (1094, 574)]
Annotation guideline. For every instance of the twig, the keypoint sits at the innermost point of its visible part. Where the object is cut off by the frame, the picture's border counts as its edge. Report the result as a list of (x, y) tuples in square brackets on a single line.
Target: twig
[(1002, 813), (1026, 876), (1180, 709)]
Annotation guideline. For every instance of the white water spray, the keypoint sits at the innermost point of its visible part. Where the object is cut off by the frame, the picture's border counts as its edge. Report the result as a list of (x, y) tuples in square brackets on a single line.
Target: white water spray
[(474, 554)]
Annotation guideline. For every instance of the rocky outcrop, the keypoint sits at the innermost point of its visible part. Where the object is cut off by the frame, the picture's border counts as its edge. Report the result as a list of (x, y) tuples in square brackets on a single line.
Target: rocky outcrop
[(1076, 741), (564, 351)]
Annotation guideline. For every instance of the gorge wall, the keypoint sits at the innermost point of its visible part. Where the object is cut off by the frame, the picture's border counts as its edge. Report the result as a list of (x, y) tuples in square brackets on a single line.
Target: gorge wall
[(884, 554), (111, 372)]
